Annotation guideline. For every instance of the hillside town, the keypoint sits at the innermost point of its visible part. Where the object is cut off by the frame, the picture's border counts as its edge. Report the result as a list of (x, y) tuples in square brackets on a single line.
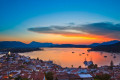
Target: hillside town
[(16, 67)]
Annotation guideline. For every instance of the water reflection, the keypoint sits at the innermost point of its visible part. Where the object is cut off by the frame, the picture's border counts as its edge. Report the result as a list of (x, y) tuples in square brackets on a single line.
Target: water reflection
[(65, 56)]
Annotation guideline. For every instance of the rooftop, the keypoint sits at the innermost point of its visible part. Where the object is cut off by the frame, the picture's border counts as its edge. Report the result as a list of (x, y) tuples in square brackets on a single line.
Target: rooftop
[(85, 75)]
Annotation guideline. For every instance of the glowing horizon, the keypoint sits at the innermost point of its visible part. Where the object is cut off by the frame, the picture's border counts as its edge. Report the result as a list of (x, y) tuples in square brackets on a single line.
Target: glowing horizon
[(60, 22)]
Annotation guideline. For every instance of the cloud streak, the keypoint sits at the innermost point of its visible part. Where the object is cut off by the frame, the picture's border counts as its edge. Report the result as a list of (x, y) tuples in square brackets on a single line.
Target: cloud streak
[(105, 29)]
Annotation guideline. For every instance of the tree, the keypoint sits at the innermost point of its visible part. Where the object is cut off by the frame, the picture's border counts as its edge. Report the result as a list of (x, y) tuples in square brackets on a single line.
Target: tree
[(49, 75), (92, 66), (37, 58), (56, 78), (79, 67), (20, 78), (102, 77), (111, 65), (95, 66), (72, 66)]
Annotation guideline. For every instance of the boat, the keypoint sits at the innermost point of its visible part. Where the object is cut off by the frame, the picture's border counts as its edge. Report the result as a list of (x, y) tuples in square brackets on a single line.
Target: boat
[(73, 52), (83, 53), (114, 57), (85, 62), (105, 56)]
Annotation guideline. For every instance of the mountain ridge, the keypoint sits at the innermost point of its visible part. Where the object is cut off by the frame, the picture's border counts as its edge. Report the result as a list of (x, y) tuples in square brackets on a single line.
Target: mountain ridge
[(104, 43), (113, 48), (34, 44)]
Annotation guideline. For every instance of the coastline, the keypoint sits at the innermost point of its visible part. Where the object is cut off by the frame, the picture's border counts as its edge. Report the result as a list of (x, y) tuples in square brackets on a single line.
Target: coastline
[(19, 50)]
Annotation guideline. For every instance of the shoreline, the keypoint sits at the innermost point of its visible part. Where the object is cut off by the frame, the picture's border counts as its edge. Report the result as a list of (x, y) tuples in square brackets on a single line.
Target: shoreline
[(19, 50)]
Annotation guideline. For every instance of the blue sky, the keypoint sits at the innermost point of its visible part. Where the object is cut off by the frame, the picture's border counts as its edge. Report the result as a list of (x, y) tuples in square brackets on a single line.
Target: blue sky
[(19, 15)]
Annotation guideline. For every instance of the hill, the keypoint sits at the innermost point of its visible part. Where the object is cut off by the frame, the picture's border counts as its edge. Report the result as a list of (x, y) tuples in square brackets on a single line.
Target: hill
[(104, 43), (113, 48)]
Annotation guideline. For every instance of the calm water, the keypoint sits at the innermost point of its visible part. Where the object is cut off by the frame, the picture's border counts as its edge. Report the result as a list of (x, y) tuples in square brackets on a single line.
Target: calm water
[(65, 57)]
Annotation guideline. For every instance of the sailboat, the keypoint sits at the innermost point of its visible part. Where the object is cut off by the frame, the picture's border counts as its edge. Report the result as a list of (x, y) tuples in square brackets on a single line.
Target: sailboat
[(73, 52)]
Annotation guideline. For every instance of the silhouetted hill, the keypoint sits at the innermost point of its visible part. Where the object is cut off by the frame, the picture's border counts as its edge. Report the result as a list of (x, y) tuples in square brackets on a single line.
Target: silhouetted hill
[(33, 44), (94, 44), (104, 43), (38, 44), (110, 42), (71, 45), (16, 46), (108, 48), (12, 44)]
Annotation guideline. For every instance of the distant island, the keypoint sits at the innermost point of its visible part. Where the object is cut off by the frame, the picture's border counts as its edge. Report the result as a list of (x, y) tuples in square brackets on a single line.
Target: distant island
[(19, 47), (111, 46), (70, 46), (19, 50)]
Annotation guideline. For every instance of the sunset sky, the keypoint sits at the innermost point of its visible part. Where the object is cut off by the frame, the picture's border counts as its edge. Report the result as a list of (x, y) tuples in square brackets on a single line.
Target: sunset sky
[(60, 21)]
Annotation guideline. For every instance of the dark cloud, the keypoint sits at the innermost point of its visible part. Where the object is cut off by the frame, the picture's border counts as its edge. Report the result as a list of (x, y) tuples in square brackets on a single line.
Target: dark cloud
[(103, 29), (53, 30), (41, 29)]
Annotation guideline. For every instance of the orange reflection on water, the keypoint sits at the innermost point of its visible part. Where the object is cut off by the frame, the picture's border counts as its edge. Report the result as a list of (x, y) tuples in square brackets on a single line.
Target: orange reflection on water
[(65, 57)]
